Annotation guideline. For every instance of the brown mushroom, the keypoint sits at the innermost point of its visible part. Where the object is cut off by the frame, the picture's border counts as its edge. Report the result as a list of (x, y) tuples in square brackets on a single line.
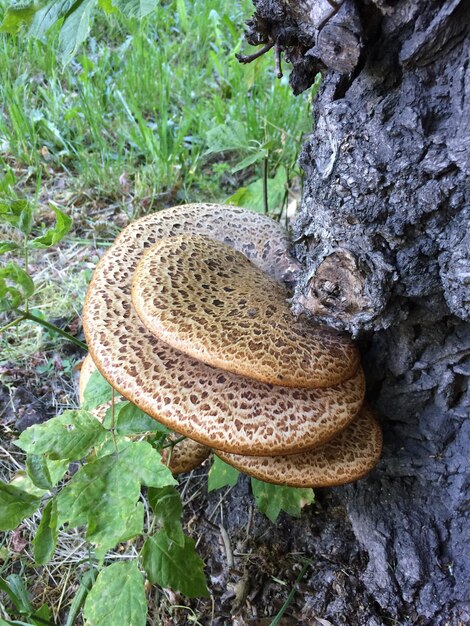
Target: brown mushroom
[(348, 457), (202, 297)]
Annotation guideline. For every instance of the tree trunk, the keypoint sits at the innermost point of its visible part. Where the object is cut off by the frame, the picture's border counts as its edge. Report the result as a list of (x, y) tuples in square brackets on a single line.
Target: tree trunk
[(384, 235)]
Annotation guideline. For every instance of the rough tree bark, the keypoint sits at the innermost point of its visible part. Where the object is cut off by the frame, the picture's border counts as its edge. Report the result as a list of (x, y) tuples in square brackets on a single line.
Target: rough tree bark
[(384, 236)]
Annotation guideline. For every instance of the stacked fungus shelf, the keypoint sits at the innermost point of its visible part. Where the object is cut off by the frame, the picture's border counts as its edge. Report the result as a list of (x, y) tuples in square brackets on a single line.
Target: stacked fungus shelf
[(187, 317)]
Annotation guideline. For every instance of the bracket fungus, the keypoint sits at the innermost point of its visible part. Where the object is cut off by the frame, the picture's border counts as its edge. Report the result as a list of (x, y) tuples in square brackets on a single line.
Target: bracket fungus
[(159, 263), (185, 455)]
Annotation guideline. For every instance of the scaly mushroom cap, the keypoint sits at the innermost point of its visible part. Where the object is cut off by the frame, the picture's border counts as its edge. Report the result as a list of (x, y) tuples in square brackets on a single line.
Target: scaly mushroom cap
[(217, 409), (209, 301), (349, 456), (260, 238), (186, 455)]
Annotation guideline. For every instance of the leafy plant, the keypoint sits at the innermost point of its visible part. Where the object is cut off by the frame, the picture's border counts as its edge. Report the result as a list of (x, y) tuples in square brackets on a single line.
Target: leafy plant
[(270, 499), (103, 496), (26, 234), (13, 586), (117, 459), (74, 19), (127, 109), (127, 105)]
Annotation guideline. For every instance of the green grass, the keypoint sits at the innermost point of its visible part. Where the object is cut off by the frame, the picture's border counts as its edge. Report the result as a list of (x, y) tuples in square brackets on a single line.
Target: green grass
[(140, 101)]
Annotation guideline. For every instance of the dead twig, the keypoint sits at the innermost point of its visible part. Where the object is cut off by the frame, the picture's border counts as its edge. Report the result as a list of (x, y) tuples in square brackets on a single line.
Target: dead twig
[(248, 58)]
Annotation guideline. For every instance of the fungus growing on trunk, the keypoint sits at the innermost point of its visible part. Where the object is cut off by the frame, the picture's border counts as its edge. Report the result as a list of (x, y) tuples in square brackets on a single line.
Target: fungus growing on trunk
[(166, 260), (215, 408)]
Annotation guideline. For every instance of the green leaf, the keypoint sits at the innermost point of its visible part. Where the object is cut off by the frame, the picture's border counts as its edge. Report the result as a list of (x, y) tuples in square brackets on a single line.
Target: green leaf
[(17, 14), (167, 506), (54, 235), (45, 615), (16, 286), (15, 506), (98, 391), (8, 246), (249, 160), (103, 494), (86, 583), (7, 182), (107, 6), (75, 29), (22, 481), (48, 15), (69, 436), (129, 419), (221, 475), (170, 565), (43, 472), (251, 196), (45, 539), (117, 597), (272, 499), (57, 469), (15, 588), (136, 8), (183, 15), (229, 137), (38, 471), (18, 213)]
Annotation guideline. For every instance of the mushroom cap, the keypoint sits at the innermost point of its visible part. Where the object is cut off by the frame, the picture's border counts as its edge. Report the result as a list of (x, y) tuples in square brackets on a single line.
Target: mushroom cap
[(348, 457), (261, 239), (218, 409), (209, 301), (186, 455)]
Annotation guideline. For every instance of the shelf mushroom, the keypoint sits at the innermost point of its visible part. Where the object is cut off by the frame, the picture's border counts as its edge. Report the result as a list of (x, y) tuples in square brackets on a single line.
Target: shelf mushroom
[(216, 408), (185, 455), (185, 316)]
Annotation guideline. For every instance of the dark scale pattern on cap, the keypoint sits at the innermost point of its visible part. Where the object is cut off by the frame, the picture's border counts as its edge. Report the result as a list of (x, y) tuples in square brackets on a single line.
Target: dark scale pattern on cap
[(349, 456), (209, 301), (215, 408)]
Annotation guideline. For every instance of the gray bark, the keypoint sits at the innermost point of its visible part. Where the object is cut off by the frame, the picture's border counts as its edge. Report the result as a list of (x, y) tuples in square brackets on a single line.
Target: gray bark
[(383, 234)]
